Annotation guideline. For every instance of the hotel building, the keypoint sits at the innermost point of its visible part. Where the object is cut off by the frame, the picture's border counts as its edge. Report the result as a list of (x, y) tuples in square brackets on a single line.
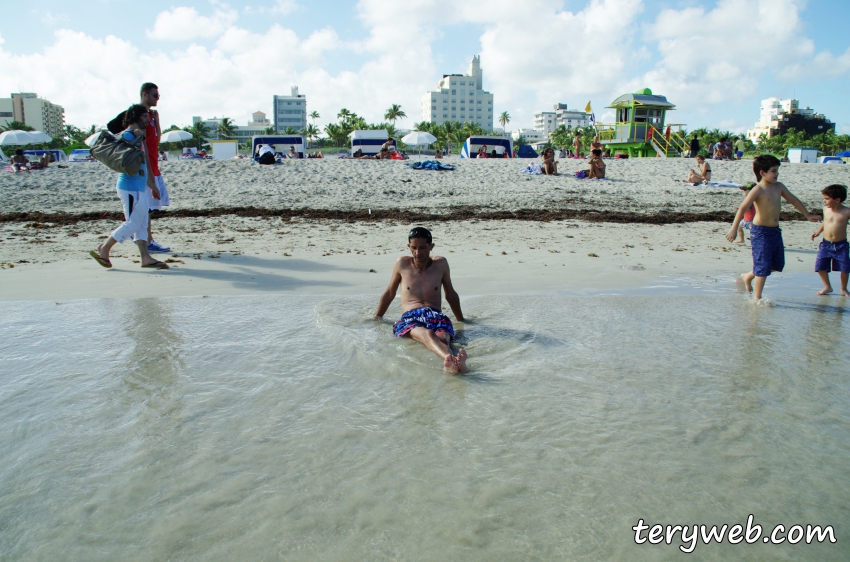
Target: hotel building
[(33, 111), (289, 111), (460, 97), (777, 116)]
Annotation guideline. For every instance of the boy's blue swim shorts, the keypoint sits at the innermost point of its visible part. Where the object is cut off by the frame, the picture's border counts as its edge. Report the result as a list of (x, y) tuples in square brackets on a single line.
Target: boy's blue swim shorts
[(833, 256), (423, 317), (768, 250)]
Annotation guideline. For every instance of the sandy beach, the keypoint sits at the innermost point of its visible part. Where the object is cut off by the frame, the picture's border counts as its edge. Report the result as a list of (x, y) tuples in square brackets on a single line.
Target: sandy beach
[(636, 227)]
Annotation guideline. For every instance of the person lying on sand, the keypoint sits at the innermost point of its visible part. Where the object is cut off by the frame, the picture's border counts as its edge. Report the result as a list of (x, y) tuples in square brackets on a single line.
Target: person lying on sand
[(422, 319), (549, 166), (702, 173)]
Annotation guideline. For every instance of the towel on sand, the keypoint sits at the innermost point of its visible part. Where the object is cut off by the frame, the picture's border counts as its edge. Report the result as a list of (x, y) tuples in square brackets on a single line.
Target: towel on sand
[(430, 165), (533, 169)]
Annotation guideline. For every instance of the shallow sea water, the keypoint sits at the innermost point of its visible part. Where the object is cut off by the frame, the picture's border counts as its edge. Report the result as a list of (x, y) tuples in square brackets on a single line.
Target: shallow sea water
[(296, 428)]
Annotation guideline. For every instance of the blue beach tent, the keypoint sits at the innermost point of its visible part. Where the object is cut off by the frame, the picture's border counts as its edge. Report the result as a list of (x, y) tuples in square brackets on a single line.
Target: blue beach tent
[(501, 145), (281, 144), (369, 142), (525, 151)]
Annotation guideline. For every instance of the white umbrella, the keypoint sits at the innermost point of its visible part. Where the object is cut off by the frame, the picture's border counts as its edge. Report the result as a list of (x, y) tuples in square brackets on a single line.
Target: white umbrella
[(16, 138), (40, 138), (175, 136), (418, 138), (92, 139)]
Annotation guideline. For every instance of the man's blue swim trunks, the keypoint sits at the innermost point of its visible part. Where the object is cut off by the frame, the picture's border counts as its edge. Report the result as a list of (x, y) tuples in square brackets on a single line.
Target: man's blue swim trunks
[(768, 250), (833, 256), (424, 317)]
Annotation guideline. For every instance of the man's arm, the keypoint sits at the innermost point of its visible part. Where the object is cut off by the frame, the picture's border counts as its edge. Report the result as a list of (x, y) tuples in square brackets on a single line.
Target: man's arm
[(748, 200), (389, 293), (451, 295), (791, 198)]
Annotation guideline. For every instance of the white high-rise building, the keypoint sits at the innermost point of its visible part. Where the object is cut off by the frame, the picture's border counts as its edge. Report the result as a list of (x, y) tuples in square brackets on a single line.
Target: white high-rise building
[(548, 121), (289, 111), (33, 111), (460, 97)]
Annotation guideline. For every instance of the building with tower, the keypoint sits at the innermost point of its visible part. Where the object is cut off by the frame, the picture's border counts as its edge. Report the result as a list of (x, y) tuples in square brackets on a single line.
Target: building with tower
[(461, 98), (289, 111)]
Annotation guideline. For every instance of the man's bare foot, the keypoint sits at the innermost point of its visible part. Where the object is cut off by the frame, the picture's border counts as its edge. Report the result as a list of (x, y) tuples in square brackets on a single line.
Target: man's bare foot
[(845, 293), (449, 364), (461, 361), (825, 291)]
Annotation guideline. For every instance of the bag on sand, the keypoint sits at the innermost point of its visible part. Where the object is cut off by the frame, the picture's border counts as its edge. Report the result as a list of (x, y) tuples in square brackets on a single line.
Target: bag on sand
[(118, 153), (581, 174)]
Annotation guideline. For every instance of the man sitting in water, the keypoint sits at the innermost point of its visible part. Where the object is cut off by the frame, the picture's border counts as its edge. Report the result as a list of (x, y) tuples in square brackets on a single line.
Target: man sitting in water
[(420, 277)]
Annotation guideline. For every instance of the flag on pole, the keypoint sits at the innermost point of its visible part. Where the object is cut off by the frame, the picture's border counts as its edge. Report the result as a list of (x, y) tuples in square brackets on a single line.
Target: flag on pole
[(588, 109)]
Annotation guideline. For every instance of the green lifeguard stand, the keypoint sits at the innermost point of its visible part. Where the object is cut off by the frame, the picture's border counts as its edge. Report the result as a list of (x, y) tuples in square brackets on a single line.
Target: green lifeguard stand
[(641, 128)]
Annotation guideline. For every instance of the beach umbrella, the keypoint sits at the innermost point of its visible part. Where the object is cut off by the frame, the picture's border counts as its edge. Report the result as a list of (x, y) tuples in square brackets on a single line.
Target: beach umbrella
[(419, 138), (16, 138), (844, 154), (40, 138), (175, 136), (92, 139)]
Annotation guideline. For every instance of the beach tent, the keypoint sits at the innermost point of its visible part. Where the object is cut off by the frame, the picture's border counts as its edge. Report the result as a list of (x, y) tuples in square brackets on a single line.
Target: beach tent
[(830, 160), (526, 151), (224, 149), (80, 155), (799, 155), (281, 143), (504, 147), (368, 141), (58, 155)]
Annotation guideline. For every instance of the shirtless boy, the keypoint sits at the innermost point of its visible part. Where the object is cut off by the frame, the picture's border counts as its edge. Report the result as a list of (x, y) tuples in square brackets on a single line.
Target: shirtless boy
[(765, 236), (420, 277), (833, 249)]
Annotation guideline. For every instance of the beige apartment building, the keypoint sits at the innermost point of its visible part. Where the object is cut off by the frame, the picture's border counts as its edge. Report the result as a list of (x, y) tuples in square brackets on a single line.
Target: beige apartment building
[(33, 111)]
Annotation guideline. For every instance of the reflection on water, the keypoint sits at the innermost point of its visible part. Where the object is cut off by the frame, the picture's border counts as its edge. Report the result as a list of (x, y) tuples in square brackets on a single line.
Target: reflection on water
[(299, 428)]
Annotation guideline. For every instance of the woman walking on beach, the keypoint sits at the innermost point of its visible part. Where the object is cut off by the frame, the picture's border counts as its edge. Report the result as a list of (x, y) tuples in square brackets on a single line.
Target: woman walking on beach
[(133, 192)]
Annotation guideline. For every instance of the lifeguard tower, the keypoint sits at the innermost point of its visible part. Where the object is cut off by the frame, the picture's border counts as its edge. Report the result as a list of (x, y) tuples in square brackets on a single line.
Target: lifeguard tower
[(640, 129)]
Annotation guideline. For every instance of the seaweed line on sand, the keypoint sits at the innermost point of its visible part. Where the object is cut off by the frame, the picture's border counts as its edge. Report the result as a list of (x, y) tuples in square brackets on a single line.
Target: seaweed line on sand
[(399, 215)]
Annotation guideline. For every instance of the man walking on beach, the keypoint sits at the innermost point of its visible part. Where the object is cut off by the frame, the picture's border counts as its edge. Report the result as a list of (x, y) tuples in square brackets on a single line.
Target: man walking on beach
[(421, 277)]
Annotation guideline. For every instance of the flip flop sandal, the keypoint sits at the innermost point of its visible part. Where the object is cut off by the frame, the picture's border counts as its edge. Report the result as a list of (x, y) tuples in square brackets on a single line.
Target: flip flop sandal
[(156, 265), (100, 260)]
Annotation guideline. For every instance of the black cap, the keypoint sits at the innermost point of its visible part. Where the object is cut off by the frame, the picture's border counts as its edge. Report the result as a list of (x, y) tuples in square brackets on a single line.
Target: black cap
[(419, 232)]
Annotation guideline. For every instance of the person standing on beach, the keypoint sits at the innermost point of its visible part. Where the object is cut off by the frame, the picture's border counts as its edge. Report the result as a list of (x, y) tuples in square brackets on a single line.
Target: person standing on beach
[(420, 277), (150, 99), (577, 145), (765, 235), (833, 251), (133, 192), (694, 146)]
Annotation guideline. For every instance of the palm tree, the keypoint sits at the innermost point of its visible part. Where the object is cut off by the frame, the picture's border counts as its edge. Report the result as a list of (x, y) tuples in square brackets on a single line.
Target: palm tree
[(336, 133), (311, 132), (269, 131), (344, 115), (16, 126), (504, 119), (424, 126), (394, 113), (314, 115), (199, 131), (290, 131), (226, 128)]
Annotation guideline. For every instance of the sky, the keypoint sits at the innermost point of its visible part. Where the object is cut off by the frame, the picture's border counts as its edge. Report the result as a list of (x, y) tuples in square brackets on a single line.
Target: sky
[(715, 59)]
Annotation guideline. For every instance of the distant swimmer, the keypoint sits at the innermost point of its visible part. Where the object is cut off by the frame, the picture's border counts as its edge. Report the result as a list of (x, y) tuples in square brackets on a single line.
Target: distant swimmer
[(421, 277)]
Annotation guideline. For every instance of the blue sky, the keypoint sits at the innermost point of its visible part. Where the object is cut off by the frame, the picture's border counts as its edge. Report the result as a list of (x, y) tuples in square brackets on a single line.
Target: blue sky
[(716, 60)]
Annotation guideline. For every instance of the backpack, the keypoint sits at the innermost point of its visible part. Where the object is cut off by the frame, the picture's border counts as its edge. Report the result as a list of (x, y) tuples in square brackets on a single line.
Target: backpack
[(118, 153)]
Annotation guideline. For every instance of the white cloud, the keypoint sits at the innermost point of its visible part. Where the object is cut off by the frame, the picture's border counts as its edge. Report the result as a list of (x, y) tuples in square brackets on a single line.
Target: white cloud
[(279, 7), (183, 23)]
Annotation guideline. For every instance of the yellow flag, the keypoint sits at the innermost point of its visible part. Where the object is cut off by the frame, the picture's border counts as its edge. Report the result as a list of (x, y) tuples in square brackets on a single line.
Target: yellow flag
[(588, 109)]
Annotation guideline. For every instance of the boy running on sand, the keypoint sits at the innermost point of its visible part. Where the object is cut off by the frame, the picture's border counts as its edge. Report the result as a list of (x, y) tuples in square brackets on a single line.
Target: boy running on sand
[(420, 277), (833, 249), (765, 235)]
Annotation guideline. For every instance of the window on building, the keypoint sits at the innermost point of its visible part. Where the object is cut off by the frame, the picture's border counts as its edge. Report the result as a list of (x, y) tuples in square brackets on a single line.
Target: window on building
[(462, 91), (445, 115), (489, 103), (454, 92), (463, 83), (453, 115), (472, 83), (445, 108), (462, 101), (479, 102)]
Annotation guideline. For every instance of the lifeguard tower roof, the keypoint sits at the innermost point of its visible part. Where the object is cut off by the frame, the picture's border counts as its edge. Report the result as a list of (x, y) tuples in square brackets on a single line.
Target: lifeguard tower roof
[(643, 97)]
